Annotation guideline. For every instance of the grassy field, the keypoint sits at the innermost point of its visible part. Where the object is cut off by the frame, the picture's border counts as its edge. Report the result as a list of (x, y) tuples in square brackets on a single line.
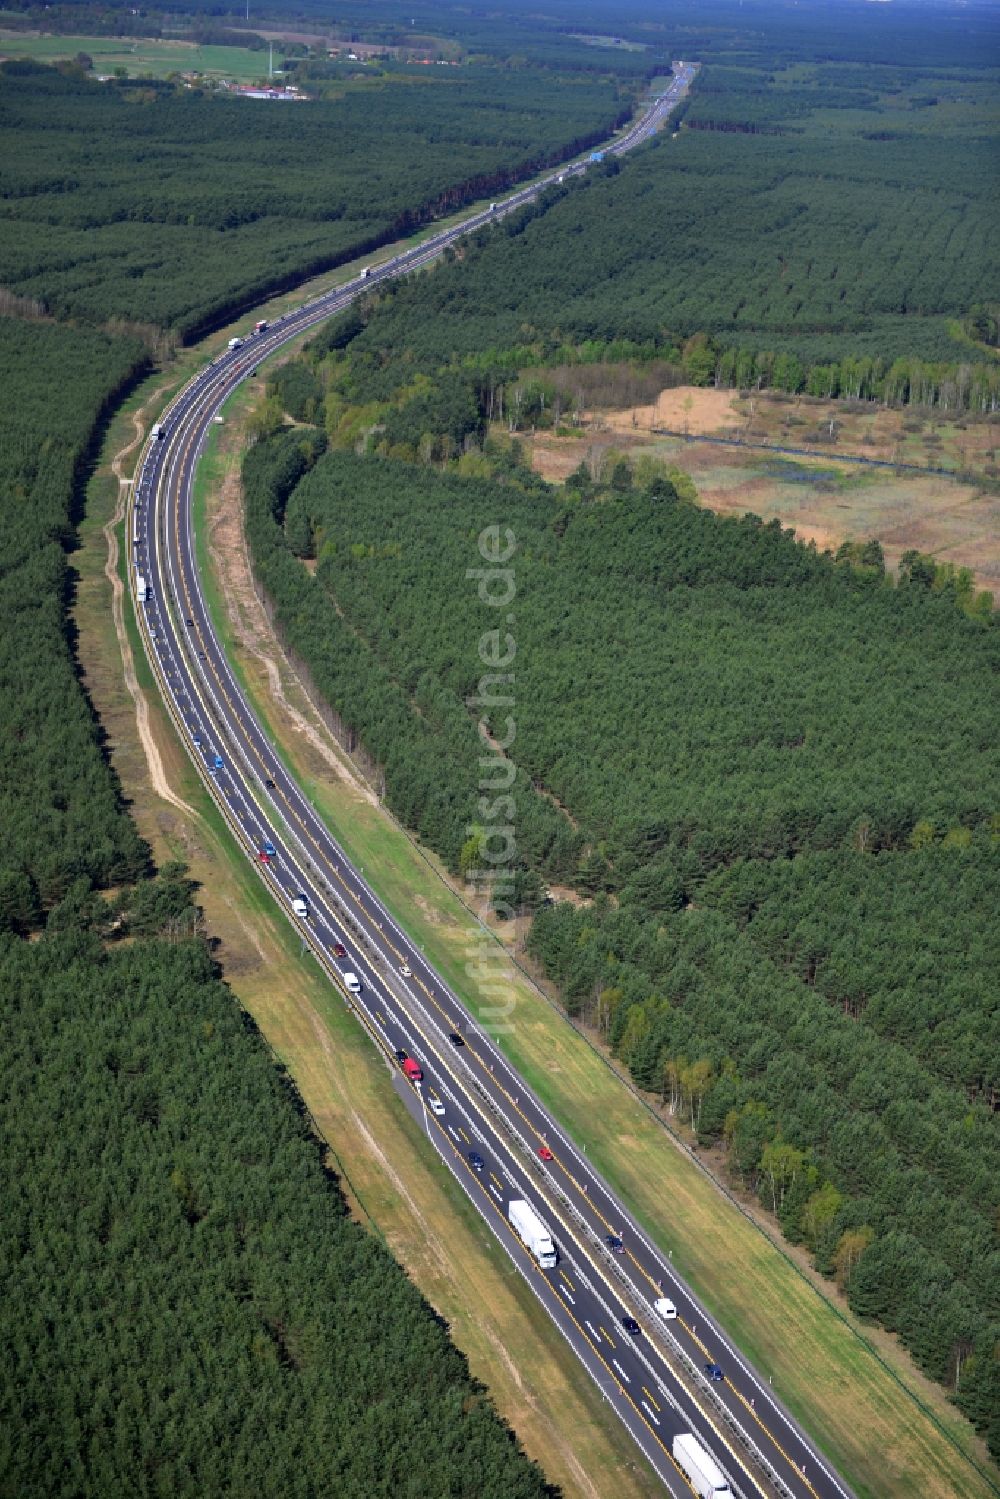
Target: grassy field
[(390, 1173), (889, 1431), (140, 56)]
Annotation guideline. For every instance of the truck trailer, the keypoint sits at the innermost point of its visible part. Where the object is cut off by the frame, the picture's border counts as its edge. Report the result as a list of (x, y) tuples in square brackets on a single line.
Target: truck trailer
[(704, 1474), (533, 1231), (141, 591)]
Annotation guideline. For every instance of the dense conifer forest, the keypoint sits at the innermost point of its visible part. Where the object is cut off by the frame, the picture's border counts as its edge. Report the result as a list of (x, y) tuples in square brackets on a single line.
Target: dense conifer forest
[(772, 778), (801, 232), (186, 1307), (169, 207), (766, 778), (51, 742)]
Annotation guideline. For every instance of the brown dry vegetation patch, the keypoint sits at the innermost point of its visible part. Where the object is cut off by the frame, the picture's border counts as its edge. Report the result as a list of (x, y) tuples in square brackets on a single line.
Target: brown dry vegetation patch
[(685, 408), (253, 633), (954, 520)]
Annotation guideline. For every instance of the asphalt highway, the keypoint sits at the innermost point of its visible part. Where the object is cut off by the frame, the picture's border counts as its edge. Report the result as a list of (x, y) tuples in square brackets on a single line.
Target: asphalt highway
[(487, 1125)]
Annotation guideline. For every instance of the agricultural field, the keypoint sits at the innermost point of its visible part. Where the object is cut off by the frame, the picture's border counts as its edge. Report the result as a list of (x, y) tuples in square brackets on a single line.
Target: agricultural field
[(140, 57)]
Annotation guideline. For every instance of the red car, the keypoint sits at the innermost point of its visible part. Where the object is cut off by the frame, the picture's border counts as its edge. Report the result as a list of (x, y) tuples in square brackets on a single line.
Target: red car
[(339, 950), (545, 1153)]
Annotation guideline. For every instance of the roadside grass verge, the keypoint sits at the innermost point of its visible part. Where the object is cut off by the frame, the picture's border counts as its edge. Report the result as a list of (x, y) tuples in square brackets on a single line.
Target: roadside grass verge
[(888, 1431), (390, 1173)]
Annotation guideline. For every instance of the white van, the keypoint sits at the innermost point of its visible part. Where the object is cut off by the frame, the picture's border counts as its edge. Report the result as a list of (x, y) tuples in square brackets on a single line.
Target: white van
[(352, 982), (301, 907), (665, 1308)]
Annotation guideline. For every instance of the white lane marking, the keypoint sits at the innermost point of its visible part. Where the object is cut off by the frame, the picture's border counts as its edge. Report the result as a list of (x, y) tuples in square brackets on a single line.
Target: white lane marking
[(621, 1371), (496, 1192), (564, 1292), (453, 1132), (593, 1329), (649, 1411)]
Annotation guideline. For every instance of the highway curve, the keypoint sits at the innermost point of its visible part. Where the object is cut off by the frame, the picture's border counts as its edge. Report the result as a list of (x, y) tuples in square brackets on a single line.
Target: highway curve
[(471, 1101)]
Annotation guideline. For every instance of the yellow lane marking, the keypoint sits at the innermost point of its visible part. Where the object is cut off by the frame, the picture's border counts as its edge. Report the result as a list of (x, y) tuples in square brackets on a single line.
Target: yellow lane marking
[(751, 1410), (692, 1333)]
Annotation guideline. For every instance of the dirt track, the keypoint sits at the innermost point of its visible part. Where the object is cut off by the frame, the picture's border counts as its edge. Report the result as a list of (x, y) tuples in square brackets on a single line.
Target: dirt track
[(150, 747)]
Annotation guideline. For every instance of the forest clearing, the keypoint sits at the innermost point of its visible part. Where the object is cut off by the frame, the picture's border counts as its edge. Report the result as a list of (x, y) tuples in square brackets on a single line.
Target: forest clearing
[(826, 499)]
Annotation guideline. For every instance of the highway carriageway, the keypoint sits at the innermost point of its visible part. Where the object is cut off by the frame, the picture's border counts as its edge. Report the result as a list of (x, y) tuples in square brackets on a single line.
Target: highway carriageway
[(654, 1381)]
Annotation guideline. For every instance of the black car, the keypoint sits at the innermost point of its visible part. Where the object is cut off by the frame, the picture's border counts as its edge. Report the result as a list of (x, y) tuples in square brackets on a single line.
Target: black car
[(714, 1372), (476, 1161), (614, 1244), (631, 1326), (269, 783), (401, 1055), (456, 1039)]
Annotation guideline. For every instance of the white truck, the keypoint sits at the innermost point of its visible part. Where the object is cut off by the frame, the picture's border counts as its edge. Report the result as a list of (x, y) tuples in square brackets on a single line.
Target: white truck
[(301, 907), (156, 432), (533, 1231), (352, 983), (235, 343), (703, 1473), (141, 591)]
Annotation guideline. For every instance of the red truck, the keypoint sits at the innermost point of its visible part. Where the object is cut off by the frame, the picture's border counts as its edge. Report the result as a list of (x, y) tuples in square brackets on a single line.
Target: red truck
[(413, 1071)]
